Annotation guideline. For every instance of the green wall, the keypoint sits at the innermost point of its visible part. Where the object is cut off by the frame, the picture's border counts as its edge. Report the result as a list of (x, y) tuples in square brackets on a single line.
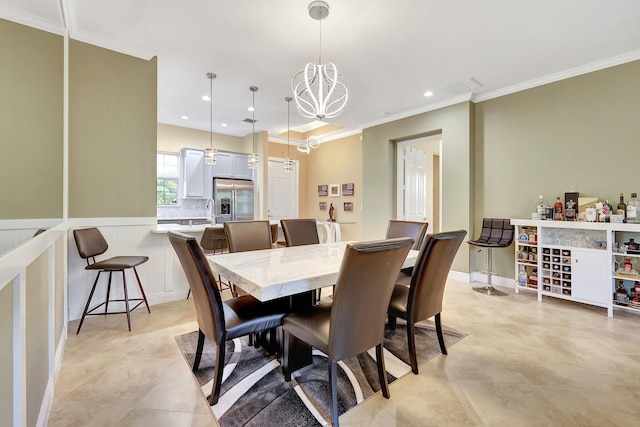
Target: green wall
[(379, 170), (583, 131), (31, 122), (112, 133)]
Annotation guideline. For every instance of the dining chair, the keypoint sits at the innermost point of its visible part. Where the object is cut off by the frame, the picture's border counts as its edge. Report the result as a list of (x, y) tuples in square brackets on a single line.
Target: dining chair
[(245, 236), (414, 229), (220, 321), (422, 299), (274, 235), (301, 231), (354, 321), (91, 243)]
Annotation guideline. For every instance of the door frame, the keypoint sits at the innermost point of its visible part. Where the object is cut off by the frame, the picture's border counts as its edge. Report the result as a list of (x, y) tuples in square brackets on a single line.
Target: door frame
[(400, 188)]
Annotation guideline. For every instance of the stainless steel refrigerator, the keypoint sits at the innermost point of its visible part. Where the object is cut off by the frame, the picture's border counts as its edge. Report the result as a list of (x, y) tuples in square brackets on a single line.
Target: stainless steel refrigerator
[(233, 199)]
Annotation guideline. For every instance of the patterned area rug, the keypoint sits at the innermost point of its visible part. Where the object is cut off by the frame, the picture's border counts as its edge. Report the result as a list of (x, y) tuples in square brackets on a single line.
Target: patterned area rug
[(254, 392)]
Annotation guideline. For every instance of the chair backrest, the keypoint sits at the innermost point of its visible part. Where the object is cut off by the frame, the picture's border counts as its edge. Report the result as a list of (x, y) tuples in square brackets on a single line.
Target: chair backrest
[(430, 274), (496, 232), (363, 289), (210, 237), (206, 296), (414, 229), (90, 242), (245, 236), (298, 232)]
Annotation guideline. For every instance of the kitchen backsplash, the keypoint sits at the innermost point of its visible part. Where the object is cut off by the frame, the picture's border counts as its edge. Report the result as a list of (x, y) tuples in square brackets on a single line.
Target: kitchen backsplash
[(188, 208)]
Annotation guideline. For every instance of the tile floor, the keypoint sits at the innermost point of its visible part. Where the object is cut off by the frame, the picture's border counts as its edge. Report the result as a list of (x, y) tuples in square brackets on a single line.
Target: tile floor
[(523, 363)]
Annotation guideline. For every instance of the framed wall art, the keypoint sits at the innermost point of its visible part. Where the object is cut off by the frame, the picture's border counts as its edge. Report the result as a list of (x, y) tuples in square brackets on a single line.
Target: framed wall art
[(334, 190), (323, 190), (348, 206), (322, 206), (347, 189)]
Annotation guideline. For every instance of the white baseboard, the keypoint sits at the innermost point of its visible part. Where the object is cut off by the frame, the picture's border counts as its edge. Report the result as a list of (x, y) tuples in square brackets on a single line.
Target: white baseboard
[(167, 296), (506, 282)]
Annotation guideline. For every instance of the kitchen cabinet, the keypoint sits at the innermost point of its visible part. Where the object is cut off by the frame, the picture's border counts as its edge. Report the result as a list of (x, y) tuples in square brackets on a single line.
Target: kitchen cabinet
[(232, 165), (193, 173)]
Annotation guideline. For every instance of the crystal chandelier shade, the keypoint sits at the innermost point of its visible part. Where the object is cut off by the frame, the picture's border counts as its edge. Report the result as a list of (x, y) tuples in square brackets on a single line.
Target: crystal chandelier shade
[(211, 154), (320, 90)]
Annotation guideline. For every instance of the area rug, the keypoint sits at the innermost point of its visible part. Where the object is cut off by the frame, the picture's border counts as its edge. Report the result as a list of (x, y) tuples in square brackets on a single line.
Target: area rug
[(254, 392)]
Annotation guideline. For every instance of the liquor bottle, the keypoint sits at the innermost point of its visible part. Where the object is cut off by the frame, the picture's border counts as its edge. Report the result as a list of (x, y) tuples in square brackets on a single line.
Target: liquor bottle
[(622, 208), (557, 210), (522, 276), (633, 209), (540, 207)]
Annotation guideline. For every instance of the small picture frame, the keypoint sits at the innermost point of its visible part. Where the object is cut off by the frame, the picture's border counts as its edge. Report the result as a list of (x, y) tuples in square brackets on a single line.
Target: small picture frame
[(322, 206), (348, 206), (334, 190), (323, 190), (347, 189)]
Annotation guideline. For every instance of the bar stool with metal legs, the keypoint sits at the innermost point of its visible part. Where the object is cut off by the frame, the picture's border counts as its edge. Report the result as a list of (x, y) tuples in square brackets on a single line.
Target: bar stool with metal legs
[(496, 233)]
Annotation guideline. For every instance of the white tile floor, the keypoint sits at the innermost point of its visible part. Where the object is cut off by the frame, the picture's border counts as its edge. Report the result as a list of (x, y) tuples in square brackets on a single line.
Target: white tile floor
[(523, 363)]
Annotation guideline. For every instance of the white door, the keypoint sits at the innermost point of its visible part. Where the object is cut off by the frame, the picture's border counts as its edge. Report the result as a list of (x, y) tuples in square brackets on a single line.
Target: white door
[(283, 191), (415, 183)]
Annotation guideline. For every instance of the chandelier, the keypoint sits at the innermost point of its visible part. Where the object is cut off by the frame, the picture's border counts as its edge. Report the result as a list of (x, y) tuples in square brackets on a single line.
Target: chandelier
[(287, 164), (211, 154), (306, 146), (253, 157), (319, 89)]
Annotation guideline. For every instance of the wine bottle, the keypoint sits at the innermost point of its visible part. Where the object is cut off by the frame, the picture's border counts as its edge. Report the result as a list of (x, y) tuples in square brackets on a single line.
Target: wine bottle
[(540, 207), (558, 210), (622, 208)]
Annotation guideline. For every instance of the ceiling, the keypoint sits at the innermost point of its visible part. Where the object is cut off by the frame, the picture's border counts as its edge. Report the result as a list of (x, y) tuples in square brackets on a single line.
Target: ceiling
[(390, 52)]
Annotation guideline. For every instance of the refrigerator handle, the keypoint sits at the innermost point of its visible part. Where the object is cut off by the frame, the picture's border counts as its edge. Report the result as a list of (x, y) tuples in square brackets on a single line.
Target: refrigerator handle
[(234, 197)]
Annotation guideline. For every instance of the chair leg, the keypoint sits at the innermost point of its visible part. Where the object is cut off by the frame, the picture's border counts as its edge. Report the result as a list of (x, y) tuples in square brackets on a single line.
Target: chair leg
[(144, 297), (443, 348), (217, 376), (333, 385), (188, 293), (86, 307), (199, 348), (392, 322), (126, 299), (286, 351), (106, 303), (411, 339), (382, 372)]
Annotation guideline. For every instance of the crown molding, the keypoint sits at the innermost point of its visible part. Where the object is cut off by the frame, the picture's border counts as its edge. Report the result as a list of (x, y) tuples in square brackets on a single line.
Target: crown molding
[(108, 44), (32, 21), (562, 75)]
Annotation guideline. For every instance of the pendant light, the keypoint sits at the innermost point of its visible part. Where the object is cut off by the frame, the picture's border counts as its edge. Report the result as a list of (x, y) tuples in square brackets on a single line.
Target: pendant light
[(287, 164), (211, 154), (253, 157), (319, 89)]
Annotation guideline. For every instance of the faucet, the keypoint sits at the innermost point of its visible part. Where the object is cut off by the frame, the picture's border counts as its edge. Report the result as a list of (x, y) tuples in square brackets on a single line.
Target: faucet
[(211, 204)]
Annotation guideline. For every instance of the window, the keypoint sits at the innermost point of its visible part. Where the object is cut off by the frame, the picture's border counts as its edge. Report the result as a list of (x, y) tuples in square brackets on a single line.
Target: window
[(168, 170)]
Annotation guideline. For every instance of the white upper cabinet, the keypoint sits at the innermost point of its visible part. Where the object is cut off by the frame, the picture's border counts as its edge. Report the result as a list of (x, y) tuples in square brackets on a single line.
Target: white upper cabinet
[(232, 165), (193, 173)]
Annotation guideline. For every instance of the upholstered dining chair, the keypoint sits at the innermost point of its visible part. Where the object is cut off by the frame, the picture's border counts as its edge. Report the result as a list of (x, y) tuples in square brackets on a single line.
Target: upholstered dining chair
[(423, 298), (274, 235), (301, 231), (245, 236), (220, 321), (354, 321), (248, 235), (91, 243), (414, 229)]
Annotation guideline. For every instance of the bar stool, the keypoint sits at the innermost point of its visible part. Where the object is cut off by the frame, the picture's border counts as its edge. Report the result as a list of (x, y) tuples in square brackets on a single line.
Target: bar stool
[(496, 233)]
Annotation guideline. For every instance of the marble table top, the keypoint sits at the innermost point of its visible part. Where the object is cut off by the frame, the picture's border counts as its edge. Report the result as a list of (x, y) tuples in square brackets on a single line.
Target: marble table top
[(275, 273)]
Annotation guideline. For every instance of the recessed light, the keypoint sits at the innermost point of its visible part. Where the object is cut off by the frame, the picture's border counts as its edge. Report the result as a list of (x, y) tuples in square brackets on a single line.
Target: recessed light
[(184, 117), (206, 98), (384, 114), (428, 93), (251, 109), (224, 125)]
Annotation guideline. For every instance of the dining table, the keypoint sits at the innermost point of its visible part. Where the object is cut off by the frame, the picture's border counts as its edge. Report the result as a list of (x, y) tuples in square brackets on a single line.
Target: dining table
[(295, 272)]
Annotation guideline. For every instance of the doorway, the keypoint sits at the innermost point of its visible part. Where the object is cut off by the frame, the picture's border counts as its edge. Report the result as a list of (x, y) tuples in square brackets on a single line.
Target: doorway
[(283, 190), (418, 180)]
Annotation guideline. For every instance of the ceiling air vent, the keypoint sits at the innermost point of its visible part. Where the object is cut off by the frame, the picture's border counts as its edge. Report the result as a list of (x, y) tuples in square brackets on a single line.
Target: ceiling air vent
[(249, 120)]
